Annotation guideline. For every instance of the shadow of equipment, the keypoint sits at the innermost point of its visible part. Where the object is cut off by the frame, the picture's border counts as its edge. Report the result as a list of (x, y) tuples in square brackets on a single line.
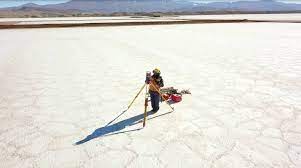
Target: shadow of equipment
[(117, 127)]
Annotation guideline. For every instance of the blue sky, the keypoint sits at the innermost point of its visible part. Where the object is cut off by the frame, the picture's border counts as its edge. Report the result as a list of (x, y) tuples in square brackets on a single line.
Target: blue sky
[(9, 3)]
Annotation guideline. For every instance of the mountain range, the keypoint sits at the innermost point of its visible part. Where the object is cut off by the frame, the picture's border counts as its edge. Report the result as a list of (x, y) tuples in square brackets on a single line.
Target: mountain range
[(147, 6)]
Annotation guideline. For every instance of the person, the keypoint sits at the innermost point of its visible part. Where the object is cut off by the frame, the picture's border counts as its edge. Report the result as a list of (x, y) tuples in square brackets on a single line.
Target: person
[(155, 83)]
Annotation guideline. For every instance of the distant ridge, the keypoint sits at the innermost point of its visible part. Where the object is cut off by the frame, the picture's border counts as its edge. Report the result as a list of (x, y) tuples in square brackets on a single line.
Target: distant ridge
[(263, 5), (124, 7), (111, 6)]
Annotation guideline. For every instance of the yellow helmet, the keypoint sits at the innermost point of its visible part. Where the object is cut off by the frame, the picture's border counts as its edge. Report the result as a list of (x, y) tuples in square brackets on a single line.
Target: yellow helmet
[(156, 71)]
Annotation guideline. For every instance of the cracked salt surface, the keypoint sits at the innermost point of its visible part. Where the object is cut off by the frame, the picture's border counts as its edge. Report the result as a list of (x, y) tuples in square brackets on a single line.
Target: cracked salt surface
[(61, 86)]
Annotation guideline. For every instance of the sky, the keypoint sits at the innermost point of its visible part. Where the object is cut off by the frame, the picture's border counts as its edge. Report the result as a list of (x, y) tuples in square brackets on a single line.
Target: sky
[(10, 3)]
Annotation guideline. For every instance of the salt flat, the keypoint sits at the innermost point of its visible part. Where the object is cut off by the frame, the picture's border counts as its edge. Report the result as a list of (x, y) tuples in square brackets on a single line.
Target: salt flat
[(81, 20), (60, 87), (270, 17)]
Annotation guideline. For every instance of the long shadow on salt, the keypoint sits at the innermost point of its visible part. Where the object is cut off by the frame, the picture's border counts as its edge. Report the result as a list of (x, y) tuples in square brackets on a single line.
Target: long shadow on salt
[(117, 127)]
